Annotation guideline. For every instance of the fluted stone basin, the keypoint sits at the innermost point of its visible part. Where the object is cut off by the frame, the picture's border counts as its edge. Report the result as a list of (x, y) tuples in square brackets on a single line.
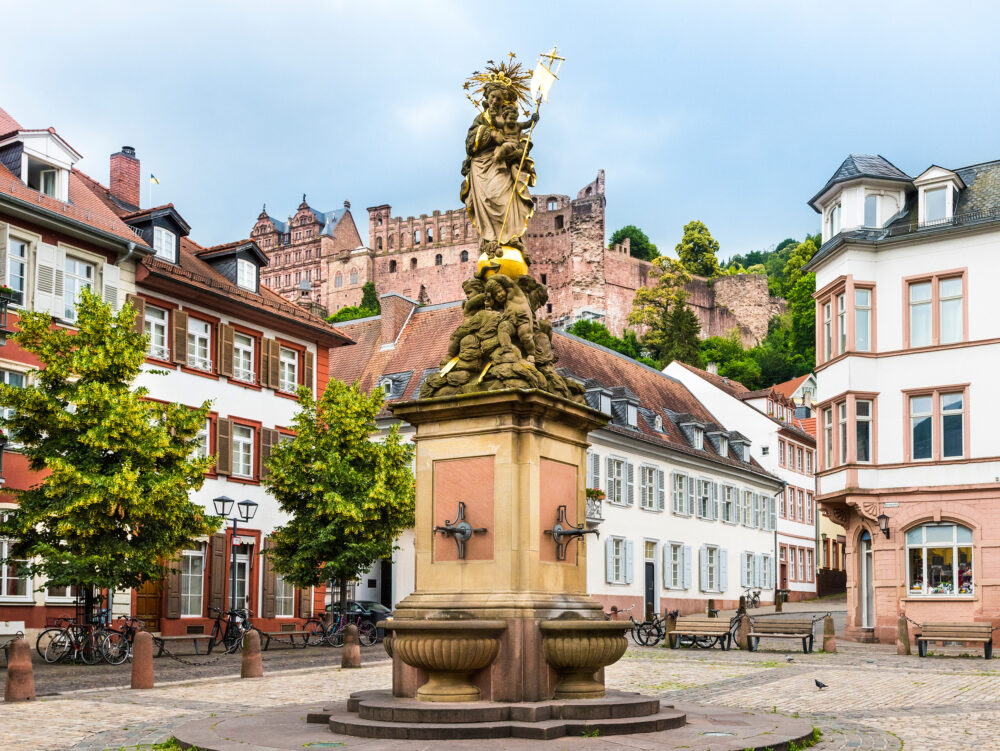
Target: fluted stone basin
[(448, 650), (578, 648)]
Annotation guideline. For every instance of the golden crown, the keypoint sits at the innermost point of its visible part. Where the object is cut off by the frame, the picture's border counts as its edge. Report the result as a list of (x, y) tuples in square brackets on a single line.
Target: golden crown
[(508, 73)]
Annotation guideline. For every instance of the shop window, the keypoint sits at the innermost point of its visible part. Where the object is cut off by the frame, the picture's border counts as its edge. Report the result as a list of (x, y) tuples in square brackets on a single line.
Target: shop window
[(939, 558)]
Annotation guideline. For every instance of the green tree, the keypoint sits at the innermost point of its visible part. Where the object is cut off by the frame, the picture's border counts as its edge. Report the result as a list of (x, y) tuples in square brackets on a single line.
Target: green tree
[(697, 250), (598, 333), (370, 306), (679, 339), (349, 497), (653, 308), (115, 502), (639, 244), (802, 339), (369, 298)]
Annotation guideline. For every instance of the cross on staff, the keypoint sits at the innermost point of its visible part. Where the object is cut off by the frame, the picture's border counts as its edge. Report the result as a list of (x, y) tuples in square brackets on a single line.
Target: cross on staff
[(541, 82)]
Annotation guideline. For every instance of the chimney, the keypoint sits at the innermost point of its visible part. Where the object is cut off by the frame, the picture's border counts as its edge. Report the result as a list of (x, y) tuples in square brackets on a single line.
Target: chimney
[(713, 368), (396, 310), (125, 176)]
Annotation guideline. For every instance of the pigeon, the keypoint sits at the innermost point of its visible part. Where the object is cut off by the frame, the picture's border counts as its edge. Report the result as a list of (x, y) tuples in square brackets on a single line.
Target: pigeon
[(789, 659), (819, 684)]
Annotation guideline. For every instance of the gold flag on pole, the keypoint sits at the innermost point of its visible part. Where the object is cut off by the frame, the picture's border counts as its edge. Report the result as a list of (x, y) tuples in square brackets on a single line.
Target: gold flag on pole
[(541, 81)]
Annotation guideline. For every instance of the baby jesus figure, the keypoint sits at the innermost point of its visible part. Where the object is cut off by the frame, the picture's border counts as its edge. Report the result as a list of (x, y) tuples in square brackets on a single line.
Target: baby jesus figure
[(511, 128)]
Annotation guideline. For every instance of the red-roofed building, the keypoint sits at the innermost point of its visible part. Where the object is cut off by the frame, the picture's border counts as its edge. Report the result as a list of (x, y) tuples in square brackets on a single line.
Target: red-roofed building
[(221, 335), (688, 514), (801, 391)]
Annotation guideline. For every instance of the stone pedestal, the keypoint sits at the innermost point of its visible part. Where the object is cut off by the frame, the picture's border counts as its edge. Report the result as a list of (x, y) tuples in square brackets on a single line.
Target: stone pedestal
[(513, 458)]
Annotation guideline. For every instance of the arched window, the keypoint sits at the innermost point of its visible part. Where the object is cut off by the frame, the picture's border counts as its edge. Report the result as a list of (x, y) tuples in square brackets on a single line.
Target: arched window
[(552, 205), (589, 191), (559, 222), (338, 281), (413, 263), (378, 244), (939, 560), (454, 231), (354, 276), (430, 234), (378, 222), (392, 241), (465, 256), (416, 237), (319, 252), (392, 267), (438, 259)]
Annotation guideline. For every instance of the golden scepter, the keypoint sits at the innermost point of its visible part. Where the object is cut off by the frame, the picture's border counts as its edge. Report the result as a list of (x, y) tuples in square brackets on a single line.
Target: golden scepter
[(541, 81)]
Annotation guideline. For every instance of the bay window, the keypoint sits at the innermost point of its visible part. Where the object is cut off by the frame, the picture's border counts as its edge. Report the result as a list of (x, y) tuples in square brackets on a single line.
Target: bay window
[(863, 430), (952, 425), (939, 560), (828, 436), (871, 211), (862, 320), (827, 331), (842, 422), (937, 425)]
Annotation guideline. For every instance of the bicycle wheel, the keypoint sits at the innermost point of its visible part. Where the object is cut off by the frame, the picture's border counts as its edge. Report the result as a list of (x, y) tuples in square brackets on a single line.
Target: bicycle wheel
[(314, 632), (649, 634), (336, 638), (234, 640), (44, 638), (367, 633), (59, 647), (114, 648), (90, 649), (706, 642)]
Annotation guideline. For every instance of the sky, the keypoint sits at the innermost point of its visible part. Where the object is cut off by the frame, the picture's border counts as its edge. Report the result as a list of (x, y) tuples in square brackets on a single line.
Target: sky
[(733, 113)]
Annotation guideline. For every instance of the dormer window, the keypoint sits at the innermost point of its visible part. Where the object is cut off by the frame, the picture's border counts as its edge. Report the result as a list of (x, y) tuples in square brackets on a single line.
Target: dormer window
[(935, 205), (44, 178), (165, 244), (658, 424), (723, 446), (698, 438), (632, 415), (246, 274), (606, 403)]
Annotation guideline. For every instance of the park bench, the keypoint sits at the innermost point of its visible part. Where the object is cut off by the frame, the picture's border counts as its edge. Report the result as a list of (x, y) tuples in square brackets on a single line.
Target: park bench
[(161, 642), (961, 632), (9, 631), (700, 626), (781, 628), (280, 635)]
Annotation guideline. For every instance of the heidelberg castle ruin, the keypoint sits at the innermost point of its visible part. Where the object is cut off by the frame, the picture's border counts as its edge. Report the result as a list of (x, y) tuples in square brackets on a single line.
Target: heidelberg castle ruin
[(427, 258)]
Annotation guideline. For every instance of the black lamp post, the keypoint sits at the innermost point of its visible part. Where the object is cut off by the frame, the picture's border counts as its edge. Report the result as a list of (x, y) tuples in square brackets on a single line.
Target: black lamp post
[(247, 509), (883, 524)]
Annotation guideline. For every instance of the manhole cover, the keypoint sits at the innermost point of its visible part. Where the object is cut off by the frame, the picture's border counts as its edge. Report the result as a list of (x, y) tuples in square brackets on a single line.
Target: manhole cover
[(717, 733)]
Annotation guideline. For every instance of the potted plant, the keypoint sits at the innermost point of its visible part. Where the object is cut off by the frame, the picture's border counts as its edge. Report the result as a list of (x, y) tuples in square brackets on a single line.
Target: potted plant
[(6, 293), (595, 494)]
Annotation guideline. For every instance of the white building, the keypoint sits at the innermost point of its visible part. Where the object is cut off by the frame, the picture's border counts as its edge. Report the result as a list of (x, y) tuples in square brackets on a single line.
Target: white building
[(908, 340), (689, 515), (783, 448)]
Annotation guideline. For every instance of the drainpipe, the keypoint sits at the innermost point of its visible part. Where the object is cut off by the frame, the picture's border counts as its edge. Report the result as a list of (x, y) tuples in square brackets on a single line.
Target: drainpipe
[(127, 256), (777, 562)]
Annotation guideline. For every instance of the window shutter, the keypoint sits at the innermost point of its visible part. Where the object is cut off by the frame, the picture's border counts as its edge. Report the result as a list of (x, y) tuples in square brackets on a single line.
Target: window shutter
[(687, 567), (667, 566), (609, 467), (703, 568), (773, 512), (179, 336), (3, 253), (139, 305), (217, 572), (661, 493), (275, 363), (225, 357), (224, 446), (691, 492), (45, 280), (307, 370), (723, 570), (629, 483), (743, 570), (268, 437), (609, 561), (265, 365), (305, 602), (269, 579), (111, 280), (758, 570), (172, 586), (715, 500), (629, 553)]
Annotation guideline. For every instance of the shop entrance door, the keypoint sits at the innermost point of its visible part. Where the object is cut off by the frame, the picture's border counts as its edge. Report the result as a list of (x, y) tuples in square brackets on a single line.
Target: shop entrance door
[(149, 604), (867, 588)]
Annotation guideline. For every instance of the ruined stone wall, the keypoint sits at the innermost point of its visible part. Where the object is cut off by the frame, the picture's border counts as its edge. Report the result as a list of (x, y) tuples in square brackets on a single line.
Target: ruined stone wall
[(747, 298)]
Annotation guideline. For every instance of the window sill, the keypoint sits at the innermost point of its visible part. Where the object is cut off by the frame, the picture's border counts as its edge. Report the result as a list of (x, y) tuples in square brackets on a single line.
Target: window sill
[(245, 384), (5, 601), (286, 395), (244, 480), (940, 598), (651, 510), (161, 362), (199, 372)]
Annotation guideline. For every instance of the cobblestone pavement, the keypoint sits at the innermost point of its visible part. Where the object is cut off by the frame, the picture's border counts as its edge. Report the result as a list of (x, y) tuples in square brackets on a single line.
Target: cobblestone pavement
[(875, 699)]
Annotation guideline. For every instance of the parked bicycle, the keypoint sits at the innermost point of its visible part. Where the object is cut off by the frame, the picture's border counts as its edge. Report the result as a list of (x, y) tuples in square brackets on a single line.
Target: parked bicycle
[(752, 595), (75, 641), (637, 632), (116, 644), (331, 631), (231, 627)]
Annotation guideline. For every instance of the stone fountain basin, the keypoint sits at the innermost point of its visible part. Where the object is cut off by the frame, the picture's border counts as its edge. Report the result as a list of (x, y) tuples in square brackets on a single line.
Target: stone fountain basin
[(578, 648)]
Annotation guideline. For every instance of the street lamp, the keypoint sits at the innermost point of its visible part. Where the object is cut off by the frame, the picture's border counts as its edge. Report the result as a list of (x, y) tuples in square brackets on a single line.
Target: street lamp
[(883, 524), (247, 510)]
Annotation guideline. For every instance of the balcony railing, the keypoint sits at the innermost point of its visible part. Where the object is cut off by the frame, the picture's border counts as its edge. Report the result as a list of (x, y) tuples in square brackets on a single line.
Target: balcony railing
[(968, 219), (200, 363)]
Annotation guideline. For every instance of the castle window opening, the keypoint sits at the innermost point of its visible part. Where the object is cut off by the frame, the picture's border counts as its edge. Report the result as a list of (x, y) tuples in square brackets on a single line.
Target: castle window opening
[(416, 237), (392, 241), (309, 253), (319, 252), (354, 276), (438, 259), (465, 256), (298, 235), (378, 222), (288, 279), (430, 234), (413, 263), (545, 278), (559, 222), (378, 244), (392, 267), (338, 281), (589, 191), (552, 205), (298, 277), (548, 307), (454, 232), (308, 274)]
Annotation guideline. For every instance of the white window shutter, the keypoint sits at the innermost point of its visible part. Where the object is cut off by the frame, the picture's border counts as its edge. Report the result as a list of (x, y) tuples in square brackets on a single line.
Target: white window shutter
[(661, 494), (629, 554), (773, 513), (691, 492), (45, 277), (758, 570), (609, 560), (609, 471), (677, 499), (629, 483), (595, 469), (715, 500), (703, 568), (3, 253), (111, 279), (723, 570), (667, 565), (743, 570), (687, 567)]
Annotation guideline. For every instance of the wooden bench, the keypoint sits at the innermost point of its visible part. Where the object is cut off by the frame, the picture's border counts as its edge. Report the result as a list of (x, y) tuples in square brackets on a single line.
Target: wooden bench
[(701, 626), (781, 628), (161, 642), (962, 632), (278, 635)]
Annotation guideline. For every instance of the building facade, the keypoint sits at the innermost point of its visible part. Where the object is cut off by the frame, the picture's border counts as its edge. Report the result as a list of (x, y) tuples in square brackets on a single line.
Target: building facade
[(688, 514), (782, 447), (221, 335), (907, 341)]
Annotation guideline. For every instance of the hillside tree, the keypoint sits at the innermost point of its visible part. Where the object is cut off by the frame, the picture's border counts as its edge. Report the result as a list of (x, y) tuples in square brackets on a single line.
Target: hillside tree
[(640, 245), (698, 250)]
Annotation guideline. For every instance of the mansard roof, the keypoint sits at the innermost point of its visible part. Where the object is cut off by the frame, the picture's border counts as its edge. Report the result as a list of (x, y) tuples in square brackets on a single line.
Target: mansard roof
[(862, 165)]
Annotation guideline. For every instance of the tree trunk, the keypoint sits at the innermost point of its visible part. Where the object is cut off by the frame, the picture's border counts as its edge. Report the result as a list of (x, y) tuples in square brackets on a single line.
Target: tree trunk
[(343, 594)]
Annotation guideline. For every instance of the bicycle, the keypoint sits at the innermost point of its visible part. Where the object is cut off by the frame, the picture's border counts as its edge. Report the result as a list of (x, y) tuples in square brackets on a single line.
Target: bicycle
[(637, 632), (75, 641), (752, 596), (237, 625), (49, 633), (116, 645), (334, 636)]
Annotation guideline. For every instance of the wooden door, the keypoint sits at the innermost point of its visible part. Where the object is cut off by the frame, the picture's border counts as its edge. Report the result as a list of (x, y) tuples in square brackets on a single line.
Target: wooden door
[(149, 604), (784, 576)]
